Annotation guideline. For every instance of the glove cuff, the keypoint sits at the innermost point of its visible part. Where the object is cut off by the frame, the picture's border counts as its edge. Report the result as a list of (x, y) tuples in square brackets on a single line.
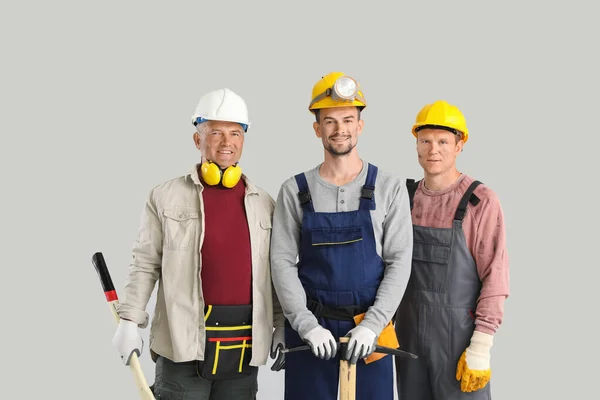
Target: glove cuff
[(126, 321), (481, 343)]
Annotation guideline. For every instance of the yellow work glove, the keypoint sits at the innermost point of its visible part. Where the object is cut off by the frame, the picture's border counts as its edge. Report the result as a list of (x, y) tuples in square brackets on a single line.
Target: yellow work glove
[(473, 369)]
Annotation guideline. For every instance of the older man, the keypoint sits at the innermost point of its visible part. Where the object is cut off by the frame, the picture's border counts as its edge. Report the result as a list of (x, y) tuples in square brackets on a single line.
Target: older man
[(205, 238)]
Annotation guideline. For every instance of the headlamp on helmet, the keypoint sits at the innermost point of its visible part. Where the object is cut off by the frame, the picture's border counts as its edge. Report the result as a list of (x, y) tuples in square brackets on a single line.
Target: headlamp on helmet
[(345, 88)]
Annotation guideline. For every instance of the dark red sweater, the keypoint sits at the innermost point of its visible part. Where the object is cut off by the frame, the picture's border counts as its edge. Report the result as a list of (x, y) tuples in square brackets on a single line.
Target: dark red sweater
[(226, 253)]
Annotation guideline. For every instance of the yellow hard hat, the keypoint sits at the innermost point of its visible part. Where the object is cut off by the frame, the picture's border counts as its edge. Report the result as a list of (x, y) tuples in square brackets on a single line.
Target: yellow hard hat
[(336, 89), (442, 115)]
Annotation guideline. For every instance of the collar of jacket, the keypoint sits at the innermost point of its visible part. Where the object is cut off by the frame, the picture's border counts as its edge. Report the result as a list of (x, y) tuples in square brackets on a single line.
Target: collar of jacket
[(193, 175)]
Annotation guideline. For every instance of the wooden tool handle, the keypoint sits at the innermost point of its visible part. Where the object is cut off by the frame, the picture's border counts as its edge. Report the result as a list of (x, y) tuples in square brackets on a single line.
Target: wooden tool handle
[(112, 299), (347, 377)]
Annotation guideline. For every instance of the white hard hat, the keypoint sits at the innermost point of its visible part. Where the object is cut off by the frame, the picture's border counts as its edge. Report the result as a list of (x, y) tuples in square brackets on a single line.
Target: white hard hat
[(222, 105)]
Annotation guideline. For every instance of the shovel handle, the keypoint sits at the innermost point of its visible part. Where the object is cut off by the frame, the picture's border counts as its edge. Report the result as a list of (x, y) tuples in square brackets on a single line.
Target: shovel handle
[(145, 391), (347, 376)]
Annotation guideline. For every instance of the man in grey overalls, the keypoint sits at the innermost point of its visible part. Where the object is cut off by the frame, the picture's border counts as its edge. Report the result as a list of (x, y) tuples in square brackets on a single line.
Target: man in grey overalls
[(460, 276)]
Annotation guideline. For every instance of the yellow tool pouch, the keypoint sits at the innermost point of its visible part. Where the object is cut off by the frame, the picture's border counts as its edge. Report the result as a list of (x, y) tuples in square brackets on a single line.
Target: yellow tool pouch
[(387, 338), (228, 347)]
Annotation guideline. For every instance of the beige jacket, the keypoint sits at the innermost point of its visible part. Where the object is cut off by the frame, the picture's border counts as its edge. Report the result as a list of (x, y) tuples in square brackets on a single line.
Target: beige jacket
[(168, 250)]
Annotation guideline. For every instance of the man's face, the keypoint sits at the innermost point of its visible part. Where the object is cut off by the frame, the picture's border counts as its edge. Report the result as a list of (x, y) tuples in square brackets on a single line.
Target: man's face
[(339, 128), (220, 142), (437, 150)]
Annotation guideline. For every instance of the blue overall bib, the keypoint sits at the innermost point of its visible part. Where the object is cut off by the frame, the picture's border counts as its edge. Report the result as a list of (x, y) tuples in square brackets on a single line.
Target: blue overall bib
[(341, 271), (435, 318)]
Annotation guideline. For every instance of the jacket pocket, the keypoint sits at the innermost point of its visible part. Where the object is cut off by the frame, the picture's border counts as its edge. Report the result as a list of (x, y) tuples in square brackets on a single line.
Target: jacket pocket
[(180, 227)]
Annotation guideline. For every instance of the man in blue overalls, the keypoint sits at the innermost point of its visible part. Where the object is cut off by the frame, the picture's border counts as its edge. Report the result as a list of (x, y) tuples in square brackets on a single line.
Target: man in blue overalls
[(349, 225)]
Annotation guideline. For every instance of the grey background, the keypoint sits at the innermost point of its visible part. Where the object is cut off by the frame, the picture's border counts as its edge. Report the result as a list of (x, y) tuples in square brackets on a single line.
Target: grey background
[(96, 104)]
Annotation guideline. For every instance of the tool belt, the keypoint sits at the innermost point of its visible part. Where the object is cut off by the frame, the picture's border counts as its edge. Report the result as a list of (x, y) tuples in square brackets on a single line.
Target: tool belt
[(387, 337), (228, 348), (342, 313)]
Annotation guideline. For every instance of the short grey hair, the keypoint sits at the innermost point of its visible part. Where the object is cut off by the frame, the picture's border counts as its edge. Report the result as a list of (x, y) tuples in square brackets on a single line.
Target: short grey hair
[(202, 128)]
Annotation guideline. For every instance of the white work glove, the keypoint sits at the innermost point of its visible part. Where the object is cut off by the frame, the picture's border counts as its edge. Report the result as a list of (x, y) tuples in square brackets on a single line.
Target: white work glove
[(361, 344), (277, 342), (127, 340), (473, 369), (321, 342)]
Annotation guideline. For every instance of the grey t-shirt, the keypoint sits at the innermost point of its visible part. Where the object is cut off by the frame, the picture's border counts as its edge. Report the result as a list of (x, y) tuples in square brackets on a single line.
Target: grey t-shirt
[(392, 227)]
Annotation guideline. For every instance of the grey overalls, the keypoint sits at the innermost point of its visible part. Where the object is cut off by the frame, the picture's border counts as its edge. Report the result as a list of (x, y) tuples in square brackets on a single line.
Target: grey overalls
[(435, 319)]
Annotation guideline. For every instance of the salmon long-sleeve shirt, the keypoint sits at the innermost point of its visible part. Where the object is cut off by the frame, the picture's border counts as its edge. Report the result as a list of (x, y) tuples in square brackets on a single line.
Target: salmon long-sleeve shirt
[(484, 230)]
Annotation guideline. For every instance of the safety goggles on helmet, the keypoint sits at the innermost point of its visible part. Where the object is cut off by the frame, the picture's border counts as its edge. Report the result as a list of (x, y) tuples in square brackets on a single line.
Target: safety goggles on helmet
[(345, 88)]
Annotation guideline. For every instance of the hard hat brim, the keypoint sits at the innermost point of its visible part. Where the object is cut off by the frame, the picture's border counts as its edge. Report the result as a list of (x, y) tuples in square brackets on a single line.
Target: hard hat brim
[(465, 132), (244, 124), (328, 102)]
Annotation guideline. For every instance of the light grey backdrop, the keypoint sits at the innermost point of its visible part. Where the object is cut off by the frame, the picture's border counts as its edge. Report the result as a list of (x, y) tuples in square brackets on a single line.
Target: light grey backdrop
[(96, 106)]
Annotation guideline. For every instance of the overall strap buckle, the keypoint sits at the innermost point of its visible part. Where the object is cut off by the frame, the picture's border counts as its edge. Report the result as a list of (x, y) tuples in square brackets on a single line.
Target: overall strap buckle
[(367, 197), (468, 197), (303, 193)]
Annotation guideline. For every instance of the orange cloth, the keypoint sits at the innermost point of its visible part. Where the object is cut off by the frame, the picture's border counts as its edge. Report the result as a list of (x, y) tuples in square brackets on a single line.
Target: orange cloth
[(387, 338)]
